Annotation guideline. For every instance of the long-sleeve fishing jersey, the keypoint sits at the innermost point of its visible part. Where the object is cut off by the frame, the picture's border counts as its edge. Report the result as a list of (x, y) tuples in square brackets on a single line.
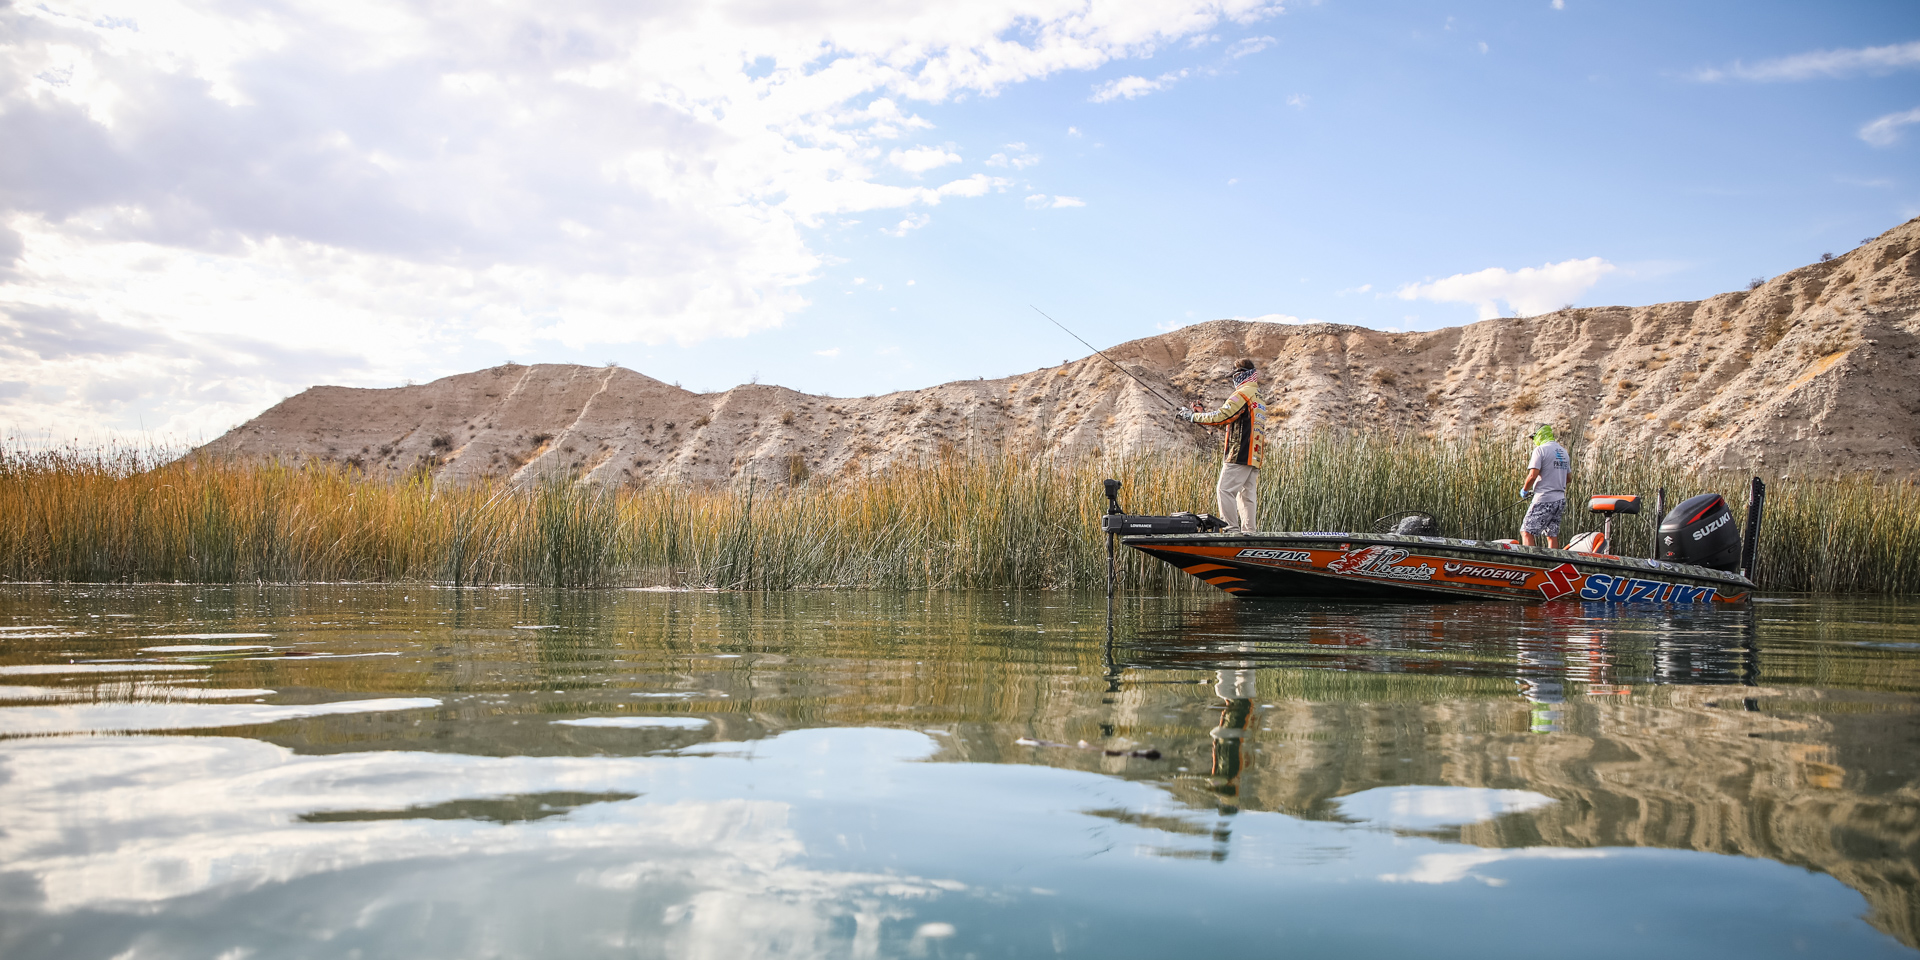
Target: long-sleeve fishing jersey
[(1244, 418)]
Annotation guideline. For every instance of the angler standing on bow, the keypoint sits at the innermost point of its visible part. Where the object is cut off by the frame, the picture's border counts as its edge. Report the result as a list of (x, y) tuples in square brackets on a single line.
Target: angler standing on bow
[(1244, 418), (1546, 484)]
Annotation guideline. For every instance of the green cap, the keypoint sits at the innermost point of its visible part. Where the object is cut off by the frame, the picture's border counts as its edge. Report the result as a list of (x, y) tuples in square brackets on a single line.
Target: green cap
[(1544, 434)]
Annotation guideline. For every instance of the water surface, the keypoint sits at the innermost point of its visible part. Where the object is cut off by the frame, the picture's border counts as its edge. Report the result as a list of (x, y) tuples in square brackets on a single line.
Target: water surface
[(404, 772)]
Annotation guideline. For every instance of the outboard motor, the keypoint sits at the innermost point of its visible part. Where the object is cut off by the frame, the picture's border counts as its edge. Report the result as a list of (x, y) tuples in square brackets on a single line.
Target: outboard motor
[(1701, 531)]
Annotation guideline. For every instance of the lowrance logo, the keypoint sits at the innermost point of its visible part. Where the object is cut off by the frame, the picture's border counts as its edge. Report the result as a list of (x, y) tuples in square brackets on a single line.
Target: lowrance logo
[(1711, 527)]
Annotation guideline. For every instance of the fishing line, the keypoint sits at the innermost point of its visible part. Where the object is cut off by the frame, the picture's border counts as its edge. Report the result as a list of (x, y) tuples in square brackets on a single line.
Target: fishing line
[(1108, 359)]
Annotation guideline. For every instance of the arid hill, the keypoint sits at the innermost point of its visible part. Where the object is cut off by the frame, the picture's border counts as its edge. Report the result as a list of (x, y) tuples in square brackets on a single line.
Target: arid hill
[(1811, 371)]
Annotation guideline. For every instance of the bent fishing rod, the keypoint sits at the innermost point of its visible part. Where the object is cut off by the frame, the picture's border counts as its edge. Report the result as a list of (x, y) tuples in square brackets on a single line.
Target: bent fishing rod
[(1116, 365)]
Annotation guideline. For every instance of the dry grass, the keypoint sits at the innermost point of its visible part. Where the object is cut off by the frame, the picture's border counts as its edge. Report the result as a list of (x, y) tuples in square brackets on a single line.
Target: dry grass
[(950, 522)]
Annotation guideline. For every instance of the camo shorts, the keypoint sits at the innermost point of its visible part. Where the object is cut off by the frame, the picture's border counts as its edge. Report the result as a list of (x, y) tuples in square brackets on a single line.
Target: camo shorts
[(1544, 517)]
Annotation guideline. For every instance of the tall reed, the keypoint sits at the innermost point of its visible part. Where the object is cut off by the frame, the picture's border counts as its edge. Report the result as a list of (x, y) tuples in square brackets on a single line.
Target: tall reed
[(994, 521)]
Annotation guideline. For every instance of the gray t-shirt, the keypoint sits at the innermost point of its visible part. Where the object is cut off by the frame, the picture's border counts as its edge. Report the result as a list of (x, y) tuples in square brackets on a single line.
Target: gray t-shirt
[(1553, 463)]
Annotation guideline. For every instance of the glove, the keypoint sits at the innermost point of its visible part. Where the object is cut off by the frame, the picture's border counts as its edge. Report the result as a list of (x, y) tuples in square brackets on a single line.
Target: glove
[(1186, 415), (1525, 493)]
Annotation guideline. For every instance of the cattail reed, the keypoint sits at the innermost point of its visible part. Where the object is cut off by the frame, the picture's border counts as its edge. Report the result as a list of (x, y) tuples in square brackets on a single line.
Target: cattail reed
[(950, 522)]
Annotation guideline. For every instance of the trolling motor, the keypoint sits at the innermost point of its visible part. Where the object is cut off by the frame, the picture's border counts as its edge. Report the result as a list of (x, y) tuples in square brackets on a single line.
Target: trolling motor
[(1112, 487), (1135, 524), (1116, 522)]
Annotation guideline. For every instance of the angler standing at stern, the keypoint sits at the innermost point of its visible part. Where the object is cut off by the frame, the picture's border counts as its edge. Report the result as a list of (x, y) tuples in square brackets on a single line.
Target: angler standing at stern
[(1244, 418), (1546, 483)]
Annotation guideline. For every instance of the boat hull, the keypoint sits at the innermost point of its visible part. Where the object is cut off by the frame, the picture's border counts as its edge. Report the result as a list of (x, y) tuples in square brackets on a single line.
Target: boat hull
[(1388, 567)]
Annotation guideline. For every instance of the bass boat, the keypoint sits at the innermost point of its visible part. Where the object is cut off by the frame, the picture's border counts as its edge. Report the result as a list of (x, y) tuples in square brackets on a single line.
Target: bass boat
[(1702, 558)]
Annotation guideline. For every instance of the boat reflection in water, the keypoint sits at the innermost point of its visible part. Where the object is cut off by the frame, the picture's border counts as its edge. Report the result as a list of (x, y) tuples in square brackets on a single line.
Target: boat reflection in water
[(1647, 727), (393, 772)]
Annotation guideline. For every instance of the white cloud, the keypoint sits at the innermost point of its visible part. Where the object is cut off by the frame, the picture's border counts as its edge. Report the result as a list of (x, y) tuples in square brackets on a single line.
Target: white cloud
[(1821, 63), (1454, 867), (829, 352), (1885, 130), (1041, 201), (1483, 46), (913, 221), (1249, 47), (921, 159), (1133, 87), (1127, 88), (1275, 318), (1529, 290), (1430, 808), (725, 877), (977, 185), (1559, 4), (195, 192), (1016, 157), (1298, 101)]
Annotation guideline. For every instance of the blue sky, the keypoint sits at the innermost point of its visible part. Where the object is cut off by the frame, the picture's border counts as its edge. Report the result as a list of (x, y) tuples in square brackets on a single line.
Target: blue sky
[(209, 206)]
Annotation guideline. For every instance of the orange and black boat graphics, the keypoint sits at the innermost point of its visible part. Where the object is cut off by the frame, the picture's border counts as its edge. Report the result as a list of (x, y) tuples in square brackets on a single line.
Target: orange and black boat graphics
[(1386, 566)]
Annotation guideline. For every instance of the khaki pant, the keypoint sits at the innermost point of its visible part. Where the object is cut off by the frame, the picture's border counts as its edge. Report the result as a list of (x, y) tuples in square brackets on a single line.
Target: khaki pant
[(1239, 496)]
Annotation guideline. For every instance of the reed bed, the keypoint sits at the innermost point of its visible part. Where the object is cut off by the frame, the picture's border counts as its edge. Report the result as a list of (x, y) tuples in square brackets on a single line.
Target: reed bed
[(953, 522)]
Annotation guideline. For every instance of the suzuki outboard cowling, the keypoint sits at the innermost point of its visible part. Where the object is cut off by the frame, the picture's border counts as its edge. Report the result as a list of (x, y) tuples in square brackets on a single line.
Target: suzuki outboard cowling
[(1700, 531)]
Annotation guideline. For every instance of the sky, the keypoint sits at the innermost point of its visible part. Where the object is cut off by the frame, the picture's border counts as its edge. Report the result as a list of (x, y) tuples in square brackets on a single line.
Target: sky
[(209, 205)]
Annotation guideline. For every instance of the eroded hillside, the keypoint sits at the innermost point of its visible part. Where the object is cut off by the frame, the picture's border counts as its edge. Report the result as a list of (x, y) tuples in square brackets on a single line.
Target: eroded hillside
[(1814, 370)]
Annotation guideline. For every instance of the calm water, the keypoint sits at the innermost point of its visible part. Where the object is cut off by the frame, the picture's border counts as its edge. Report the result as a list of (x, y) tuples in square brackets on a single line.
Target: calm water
[(383, 772)]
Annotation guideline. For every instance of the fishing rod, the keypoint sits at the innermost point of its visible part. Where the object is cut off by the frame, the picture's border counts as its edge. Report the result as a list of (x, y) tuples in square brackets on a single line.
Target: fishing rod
[(1108, 359)]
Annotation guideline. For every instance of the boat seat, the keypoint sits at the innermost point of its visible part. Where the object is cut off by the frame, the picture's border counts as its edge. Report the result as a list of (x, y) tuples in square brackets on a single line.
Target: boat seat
[(1589, 542)]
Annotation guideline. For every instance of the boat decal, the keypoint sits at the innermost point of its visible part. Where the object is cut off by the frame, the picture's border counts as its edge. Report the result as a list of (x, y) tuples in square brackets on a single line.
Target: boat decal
[(1237, 570), (1512, 576), (1379, 562), (1601, 586), (1560, 581)]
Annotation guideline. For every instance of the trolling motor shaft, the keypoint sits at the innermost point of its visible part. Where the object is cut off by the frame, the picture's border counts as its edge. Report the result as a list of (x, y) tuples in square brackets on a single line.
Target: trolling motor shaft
[(1112, 488)]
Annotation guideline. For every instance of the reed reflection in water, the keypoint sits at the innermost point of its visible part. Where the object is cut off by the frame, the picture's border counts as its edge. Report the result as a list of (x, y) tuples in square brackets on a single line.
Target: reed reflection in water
[(314, 771)]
